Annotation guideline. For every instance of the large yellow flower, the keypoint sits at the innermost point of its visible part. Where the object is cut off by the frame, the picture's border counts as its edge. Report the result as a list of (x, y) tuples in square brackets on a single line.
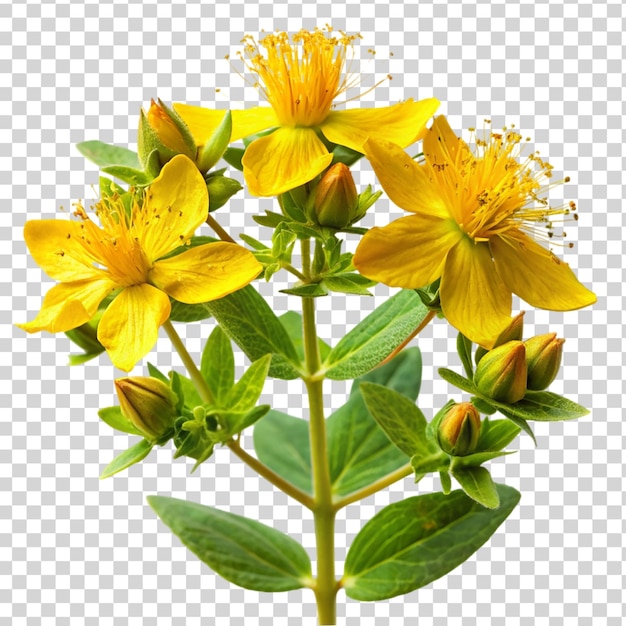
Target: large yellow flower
[(477, 222), (126, 258), (301, 79)]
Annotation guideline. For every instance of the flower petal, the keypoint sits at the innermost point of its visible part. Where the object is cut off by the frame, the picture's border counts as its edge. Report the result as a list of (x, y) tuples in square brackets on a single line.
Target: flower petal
[(403, 124), (538, 276), (176, 203), (407, 253), (405, 182), (206, 273), (203, 122), (442, 146), (284, 160), (68, 305), (473, 297), (129, 327), (57, 249)]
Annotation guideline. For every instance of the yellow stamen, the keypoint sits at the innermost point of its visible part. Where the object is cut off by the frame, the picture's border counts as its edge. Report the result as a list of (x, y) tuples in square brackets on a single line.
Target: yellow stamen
[(493, 191), (115, 248), (302, 78)]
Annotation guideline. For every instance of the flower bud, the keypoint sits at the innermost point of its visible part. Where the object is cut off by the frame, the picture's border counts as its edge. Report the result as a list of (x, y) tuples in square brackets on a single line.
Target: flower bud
[(336, 197), (221, 189), (501, 373), (513, 332), (543, 359), (459, 430), (163, 130), (148, 404)]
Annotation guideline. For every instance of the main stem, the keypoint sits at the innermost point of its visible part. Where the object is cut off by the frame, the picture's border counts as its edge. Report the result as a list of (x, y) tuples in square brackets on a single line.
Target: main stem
[(323, 509)]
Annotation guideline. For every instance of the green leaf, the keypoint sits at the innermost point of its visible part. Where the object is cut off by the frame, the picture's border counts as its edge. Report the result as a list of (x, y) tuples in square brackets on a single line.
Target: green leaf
[(477, 458), (103, 154), (376, 337), (129, 175), (233, 157), (522, 423), (292, 323), (110, 188), (497, 434), (186, 388), (282, 443), (411, 543), (249, 321), (345, 155), (270, 219), (358, 449), (86, 337), (246, 392), (401, 420), (112, 416), (464, 348), (545, 406), (133, 455), (459, 381), (243, 551), (155, 373), (446, 482), (188, 312), (349, 283), (478, 485), (237, 421), (434, 462), (218, 364), (482, 406), (315, 290)]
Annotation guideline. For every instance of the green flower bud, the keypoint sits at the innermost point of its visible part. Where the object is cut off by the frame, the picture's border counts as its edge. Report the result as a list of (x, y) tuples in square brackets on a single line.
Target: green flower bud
[(513, 332), (221, 189), (459, 430), (336, 197), (163, 130), (543, 359), (211, 152), (501, 373), (148, 404)]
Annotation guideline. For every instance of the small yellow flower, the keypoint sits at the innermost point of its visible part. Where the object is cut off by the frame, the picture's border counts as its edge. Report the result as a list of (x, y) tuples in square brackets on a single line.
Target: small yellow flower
[(126, 258), (301, 80), (475, 225)]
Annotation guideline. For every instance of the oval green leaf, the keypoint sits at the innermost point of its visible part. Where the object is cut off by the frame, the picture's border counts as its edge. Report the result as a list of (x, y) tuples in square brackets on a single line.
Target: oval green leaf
[(411, 543), (359, 451), (282, 443), (376, 337), (250, 322), (243, 551), (131, 456)]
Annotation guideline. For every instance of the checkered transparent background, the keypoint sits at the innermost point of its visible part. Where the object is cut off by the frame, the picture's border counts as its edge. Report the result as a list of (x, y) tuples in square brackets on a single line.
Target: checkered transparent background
[(75, 550)]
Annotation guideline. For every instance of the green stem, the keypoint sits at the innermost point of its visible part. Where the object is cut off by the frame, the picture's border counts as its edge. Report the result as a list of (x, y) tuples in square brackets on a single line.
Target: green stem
[(221, 233), (380, 484), (323, 512), (194, 373), (276, 480), (205, 393)]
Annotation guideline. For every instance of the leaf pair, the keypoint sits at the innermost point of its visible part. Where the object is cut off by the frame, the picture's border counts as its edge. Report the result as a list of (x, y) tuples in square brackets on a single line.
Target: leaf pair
[(407, 545)]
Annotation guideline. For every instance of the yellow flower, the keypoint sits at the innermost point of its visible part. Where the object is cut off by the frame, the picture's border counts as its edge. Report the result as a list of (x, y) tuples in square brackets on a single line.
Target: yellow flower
[(126, 258), (301, 79), (475, 225)]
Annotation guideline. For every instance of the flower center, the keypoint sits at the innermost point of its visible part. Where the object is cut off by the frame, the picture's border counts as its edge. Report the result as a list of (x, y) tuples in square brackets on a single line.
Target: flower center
[(115, 248), (493, 191), (302, 78)]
